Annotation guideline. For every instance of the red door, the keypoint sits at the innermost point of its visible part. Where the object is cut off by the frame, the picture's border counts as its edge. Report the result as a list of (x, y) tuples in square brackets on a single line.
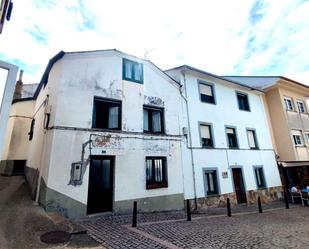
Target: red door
[(239, 186)]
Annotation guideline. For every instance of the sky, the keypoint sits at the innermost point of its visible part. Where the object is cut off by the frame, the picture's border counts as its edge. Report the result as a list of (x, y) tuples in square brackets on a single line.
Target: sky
[(224, 37)]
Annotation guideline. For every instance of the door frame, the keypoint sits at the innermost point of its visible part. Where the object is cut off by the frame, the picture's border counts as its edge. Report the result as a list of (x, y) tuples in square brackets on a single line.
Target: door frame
[(113, 160), (243, 178)]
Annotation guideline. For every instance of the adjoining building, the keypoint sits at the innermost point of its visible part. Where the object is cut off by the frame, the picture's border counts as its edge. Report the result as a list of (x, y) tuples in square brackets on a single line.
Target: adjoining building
[(289, 114), (230, 141), (103, 129)]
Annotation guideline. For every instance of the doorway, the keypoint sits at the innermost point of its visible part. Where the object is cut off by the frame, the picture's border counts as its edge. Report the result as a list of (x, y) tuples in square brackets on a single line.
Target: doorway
[(101, 184), (239, 185)]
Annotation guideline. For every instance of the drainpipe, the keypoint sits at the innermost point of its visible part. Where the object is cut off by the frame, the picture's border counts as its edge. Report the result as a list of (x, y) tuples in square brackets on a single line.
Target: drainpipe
[(189, 146)]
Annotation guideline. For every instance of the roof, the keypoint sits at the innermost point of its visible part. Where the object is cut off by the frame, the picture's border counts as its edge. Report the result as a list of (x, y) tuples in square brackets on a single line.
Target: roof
[(49, 66), (216, 76), (28, 90), (262, 82)]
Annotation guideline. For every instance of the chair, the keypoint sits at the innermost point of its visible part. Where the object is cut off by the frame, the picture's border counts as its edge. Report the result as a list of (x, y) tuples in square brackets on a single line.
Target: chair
[(304, 196), (296, 195)]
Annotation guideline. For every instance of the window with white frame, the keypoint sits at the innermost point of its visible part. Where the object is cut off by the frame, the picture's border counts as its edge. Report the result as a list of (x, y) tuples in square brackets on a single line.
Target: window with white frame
[(207, 93), (301, 106), (252, 139), (297, 137), (206, 135), (288, 104), (307, 137)]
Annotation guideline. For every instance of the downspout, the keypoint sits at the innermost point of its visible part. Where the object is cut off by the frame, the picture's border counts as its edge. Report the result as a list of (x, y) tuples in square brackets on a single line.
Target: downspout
[(189, 146)]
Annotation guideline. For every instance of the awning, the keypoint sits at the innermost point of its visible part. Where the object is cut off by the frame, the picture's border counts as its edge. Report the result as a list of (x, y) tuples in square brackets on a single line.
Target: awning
[(295, 164)]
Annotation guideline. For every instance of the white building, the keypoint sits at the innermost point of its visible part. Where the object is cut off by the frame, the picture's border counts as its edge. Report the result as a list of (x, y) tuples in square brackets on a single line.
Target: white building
[(106, 130), (229, 137)]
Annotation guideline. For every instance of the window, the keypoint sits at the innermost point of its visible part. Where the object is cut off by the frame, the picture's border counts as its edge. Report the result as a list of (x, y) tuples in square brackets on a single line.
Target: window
[(156, 172), (231, 137), (211, 182), (243, 102), (132, 71), (206, 136), (153, 120), (307, 137), (207, 93), (252, 139), (30, 133), (288, 104), (297, 137), (259, 176), (106, 114), (301, 106)]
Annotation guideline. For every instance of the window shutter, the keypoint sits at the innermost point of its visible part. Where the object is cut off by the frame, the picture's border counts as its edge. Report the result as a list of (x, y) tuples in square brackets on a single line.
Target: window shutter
[(230, 131), (205, 132), (206, 89)]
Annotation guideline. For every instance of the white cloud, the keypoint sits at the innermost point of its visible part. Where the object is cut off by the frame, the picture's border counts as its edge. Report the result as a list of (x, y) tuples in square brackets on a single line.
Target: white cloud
[(211, 35)]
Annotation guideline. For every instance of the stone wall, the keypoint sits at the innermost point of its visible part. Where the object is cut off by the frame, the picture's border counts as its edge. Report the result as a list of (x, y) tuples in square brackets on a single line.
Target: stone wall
[(266, 194)]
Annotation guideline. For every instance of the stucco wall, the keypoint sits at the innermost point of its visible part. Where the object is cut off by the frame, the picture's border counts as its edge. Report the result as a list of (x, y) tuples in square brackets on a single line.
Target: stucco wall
[(279, 124), (73, 83), (17, 142)]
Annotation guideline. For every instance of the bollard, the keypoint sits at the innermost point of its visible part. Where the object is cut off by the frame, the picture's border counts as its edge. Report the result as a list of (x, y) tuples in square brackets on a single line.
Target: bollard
[(134, 214), (260, 205), (188, 211), (286, 201), (228, 207)]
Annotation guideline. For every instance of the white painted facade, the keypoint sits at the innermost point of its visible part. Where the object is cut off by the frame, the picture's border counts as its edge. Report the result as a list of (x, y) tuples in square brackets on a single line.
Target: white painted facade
[(225, 113), (73, 82)]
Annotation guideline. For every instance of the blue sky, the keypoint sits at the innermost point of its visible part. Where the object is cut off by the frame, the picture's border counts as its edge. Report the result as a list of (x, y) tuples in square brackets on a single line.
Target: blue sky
[(238, 37)]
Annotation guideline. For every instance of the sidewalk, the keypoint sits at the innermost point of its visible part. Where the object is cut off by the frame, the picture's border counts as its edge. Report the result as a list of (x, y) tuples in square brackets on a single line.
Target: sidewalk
[(22, 222)]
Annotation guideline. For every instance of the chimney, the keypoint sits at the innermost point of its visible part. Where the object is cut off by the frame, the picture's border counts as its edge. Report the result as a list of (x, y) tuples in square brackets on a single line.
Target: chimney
[(19, 86)]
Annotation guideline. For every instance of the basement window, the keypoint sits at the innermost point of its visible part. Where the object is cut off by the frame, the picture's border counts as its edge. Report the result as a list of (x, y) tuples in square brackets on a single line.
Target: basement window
[(106, 114), (132, 71), (30, 133), (156, 172), (153, 120)]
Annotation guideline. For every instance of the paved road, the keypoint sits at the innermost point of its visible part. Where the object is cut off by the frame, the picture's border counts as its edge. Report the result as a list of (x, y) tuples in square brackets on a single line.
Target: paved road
[(275, 228), (22, 222)]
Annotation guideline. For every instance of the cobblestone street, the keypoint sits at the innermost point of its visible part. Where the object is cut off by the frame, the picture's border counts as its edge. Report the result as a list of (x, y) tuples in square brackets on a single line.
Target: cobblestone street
[(275, 228)]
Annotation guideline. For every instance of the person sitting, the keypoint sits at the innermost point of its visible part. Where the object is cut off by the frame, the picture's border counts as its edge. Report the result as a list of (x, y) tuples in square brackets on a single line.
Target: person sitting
[(295, 189)]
